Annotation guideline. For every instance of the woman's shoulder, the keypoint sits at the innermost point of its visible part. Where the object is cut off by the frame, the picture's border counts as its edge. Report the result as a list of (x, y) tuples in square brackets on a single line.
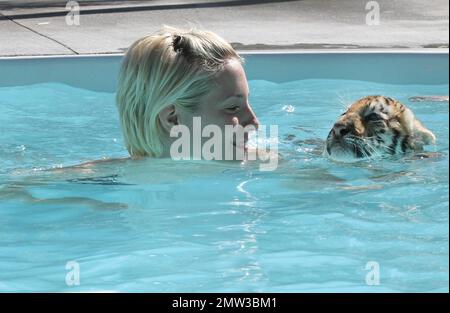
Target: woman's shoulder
[(89, 166)]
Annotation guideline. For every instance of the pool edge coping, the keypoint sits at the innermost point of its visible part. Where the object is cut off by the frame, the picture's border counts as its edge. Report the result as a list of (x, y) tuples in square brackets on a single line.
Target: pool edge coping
[(248, 52)]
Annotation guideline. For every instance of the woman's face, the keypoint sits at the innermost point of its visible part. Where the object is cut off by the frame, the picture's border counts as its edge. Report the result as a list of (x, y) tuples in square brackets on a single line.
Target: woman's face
[(226, 104)]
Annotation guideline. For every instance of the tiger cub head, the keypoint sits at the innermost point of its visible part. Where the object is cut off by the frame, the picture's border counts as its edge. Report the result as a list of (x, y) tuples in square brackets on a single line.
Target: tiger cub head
[(376, 126)]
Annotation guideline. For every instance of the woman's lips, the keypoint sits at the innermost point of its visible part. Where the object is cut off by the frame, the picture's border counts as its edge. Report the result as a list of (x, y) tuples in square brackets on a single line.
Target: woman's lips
[(242, 145)]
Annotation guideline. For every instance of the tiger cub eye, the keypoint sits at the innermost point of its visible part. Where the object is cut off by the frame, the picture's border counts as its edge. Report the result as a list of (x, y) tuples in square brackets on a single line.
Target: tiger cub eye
[(373, 117)]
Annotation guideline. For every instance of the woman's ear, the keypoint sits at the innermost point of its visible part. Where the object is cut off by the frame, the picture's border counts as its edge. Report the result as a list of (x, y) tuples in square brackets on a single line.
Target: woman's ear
[(168, 118)]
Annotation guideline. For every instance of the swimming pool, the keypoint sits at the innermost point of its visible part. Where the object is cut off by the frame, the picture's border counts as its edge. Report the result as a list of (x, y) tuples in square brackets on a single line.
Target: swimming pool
[(161, 226)]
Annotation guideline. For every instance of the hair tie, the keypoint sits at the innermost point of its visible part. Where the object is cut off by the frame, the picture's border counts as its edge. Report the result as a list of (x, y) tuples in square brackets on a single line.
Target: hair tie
[(177, 44)]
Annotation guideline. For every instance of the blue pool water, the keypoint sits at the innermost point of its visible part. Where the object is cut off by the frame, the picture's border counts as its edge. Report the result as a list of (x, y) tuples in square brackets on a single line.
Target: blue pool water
[(161, 225)]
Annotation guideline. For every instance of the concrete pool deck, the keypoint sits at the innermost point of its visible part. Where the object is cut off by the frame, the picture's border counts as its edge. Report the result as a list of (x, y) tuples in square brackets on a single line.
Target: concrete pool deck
[(39, 27)]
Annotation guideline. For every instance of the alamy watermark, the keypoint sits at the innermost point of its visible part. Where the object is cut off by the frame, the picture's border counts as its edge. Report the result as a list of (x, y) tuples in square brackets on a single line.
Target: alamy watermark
[(373, 14), (211, 142), (73, 17), (73, 274), (373, 276)]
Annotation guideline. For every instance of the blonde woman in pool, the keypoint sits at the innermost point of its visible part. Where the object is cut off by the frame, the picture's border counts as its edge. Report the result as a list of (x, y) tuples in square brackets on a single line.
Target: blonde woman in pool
[(173, 77)]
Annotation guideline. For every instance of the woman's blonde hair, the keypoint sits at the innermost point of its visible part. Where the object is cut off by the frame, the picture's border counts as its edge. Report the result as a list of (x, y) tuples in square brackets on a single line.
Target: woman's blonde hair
[(171, 67)]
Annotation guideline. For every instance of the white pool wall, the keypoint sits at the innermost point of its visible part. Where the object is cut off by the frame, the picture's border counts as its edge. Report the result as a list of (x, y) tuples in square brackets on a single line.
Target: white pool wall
[(99, 72)]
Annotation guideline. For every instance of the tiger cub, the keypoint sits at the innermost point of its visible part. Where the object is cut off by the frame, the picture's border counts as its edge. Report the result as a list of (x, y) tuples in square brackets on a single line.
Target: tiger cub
[(376, 126)]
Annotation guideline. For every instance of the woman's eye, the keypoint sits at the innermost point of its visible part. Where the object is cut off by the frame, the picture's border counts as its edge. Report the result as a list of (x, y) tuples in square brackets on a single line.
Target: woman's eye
[(233, 109)]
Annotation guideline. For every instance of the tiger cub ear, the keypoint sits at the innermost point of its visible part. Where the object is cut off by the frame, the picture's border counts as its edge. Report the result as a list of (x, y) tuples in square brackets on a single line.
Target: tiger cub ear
[(421, 133)]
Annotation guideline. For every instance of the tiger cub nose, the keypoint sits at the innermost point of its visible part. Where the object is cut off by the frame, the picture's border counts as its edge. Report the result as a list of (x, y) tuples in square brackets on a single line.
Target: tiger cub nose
[(340, 130)]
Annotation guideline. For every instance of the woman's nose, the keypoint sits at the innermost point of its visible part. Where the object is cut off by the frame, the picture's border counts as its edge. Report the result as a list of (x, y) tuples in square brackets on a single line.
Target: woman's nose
[(250, 118)]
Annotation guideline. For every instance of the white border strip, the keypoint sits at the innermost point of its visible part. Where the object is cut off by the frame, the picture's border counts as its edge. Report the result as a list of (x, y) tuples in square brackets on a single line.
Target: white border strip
[(244, 52), (348, 51)]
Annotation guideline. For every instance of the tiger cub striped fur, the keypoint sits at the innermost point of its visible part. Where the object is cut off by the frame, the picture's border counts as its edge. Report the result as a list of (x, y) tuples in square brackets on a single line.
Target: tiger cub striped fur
[(376, 126)]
